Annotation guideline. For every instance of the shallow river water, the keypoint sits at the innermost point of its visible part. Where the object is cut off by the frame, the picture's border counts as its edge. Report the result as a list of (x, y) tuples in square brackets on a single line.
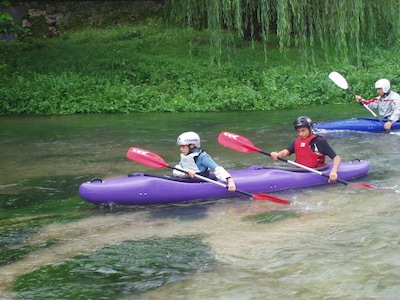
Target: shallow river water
[(335, 242)]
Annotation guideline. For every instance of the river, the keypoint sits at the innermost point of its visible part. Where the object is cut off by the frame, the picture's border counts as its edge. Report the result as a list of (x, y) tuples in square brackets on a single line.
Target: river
[(336, 242)]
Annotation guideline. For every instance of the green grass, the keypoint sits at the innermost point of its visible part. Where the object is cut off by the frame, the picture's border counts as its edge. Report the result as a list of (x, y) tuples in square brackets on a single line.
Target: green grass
[(151, 68)]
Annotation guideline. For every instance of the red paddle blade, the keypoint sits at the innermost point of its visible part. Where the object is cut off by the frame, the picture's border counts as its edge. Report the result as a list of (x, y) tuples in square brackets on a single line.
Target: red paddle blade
[(236, 142), (270, 198), (146, 157), (364, 185)]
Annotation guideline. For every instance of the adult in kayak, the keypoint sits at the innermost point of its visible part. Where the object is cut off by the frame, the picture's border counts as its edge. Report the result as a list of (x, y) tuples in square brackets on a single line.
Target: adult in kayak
[(387, 103), (310, 149), (197, 161)]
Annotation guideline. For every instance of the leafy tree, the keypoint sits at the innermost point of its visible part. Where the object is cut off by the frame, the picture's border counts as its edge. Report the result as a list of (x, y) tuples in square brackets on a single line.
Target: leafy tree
[(347, 25), (7, 24)]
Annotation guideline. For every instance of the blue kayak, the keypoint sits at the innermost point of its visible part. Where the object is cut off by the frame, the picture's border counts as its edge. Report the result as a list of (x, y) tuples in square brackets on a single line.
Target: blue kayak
[(355, 124)]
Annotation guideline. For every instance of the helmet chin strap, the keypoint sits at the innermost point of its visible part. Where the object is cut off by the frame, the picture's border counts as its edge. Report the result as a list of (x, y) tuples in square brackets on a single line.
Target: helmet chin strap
[(387, 93)]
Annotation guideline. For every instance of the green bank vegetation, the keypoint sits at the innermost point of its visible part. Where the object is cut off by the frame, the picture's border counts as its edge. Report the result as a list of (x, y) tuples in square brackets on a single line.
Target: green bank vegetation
[(154, 68)]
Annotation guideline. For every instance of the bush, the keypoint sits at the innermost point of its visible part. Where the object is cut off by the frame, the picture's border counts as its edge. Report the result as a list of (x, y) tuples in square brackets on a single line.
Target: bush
[(151, 68)]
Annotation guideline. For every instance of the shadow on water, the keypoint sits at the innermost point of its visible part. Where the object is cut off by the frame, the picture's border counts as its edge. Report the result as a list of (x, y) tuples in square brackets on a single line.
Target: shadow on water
[(190, 212), (136, 267), (33, 193)]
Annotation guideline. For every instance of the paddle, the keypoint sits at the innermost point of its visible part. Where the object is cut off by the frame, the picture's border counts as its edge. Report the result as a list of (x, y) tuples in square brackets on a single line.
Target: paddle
[(151, 159), (242, 144), (341, 82)]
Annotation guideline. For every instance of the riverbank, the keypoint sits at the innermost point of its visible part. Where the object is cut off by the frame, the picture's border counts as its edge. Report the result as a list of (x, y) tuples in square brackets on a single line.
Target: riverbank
[(154, 68)]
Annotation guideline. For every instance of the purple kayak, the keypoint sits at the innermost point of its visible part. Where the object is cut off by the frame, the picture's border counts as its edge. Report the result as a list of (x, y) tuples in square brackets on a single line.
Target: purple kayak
[(143, 189)]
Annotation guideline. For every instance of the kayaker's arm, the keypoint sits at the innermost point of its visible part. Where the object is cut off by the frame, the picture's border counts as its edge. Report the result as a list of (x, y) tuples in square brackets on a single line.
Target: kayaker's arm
[(283, 153), (361, 101), (179, 173), (231, 184), (223, 175), (395, 116), (336, 163)]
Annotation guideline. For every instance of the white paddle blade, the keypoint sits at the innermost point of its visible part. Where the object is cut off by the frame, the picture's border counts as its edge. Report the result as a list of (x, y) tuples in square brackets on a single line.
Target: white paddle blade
[(339, 80)]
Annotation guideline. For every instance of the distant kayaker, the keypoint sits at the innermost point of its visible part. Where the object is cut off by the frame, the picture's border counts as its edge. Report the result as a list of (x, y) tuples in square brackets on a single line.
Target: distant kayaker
[(310, 149), (197, 161), (387, 103)]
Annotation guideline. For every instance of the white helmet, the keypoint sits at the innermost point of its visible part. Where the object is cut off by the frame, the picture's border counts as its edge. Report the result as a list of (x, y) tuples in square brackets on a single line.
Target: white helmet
[(383, 84), (188, 138)]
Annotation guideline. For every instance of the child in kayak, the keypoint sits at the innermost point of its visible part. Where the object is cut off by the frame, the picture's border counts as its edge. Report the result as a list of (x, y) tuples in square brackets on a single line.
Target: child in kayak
[(387, 103), (197, 161), (310, 149)]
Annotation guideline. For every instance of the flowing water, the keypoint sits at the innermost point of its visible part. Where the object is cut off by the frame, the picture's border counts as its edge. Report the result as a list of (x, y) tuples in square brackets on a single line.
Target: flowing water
[(336, 242)]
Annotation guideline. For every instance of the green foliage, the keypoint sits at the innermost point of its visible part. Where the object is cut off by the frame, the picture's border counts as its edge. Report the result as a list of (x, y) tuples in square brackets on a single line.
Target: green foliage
[(6, 21), (343, 25), (7, 24), (131, 267), (150, 68)]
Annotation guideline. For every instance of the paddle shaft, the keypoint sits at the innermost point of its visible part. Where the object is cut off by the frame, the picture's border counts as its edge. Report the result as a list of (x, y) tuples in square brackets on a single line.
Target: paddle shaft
[(304, 167), (372, 112), (210, 180), (364, 105)]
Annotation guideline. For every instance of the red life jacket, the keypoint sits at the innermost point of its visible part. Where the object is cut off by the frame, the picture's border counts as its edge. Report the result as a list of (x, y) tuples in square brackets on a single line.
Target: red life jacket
[(305, 155)]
